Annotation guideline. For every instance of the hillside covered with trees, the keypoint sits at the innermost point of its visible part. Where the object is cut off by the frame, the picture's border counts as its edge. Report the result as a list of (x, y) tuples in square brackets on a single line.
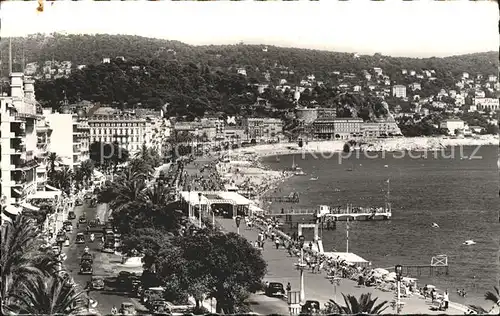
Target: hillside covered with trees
[(91, 49), (196, 80)]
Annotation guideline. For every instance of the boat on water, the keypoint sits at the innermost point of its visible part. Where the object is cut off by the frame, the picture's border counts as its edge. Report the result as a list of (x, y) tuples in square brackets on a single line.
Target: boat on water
[(313, 178), (299, 173), (278, 159)]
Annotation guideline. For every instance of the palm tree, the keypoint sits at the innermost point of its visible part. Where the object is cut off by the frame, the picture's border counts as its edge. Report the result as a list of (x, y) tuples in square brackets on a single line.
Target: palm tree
[(48, 296), (87, 169), (20, 257), (491, 297), (127, 192), (52, 159), (364, 305)]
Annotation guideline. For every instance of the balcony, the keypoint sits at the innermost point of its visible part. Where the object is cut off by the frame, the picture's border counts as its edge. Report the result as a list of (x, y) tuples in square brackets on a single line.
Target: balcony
[(23, 164), (25, 108)]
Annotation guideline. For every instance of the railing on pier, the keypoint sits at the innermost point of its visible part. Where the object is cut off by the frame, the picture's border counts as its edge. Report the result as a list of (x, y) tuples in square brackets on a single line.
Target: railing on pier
[(439, 265)]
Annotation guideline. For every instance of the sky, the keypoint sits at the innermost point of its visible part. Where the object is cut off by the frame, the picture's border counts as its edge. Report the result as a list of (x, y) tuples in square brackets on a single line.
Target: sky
[(421, 28)]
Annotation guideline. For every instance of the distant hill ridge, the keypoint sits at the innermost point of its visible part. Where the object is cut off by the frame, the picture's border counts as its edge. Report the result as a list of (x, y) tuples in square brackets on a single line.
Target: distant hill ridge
[(91, 49)]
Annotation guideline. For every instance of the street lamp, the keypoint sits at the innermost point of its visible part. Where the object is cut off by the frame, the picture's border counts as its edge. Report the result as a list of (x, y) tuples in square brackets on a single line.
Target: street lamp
[(238, 221), (335, 281), (199, 208), (399, 272), (301, 266), (189, 202)]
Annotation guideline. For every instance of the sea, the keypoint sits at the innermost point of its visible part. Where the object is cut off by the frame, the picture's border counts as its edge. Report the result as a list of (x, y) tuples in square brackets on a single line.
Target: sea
[(456, 188)]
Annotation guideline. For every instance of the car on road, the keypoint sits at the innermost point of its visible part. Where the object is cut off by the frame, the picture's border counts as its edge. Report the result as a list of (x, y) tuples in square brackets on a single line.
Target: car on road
[(127, 308), (97, 283), (78, 202), (86, 267), (275, 289), (94, 223), (108, 247), (71, 215), (82, 219), (159, 307), (61, 238), (80, 238), (88, 257), (66, 243)]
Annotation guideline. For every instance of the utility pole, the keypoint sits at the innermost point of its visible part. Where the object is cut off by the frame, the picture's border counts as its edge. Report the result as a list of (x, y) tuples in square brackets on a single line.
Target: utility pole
[(10, 56)]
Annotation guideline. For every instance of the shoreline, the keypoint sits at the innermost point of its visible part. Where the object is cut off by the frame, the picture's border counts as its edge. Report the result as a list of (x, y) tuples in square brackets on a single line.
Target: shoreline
[(389, 144)]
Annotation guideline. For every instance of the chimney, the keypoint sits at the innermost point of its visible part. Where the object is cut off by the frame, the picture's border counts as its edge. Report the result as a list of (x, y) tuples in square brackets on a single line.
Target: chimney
[(29, 88), (16, 85)]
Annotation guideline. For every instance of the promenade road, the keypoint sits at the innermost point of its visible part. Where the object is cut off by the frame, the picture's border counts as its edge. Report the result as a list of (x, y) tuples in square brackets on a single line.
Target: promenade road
[(281, 269), (105, 265)]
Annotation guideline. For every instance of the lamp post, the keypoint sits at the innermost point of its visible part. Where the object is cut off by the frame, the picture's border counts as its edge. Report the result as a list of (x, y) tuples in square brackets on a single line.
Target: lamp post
[(335, 281), (301, 266), (199, 208), (189, 202), (399, 273), (237, 219)]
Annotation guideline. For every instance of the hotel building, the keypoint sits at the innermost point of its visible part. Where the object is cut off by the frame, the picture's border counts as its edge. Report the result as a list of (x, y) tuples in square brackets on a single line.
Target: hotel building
[(263, 128), (128, 130), (43, 132), (337, 128)]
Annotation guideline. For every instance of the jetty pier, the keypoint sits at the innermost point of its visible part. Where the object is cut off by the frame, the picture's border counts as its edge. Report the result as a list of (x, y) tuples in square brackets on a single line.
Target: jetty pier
[(326, 213)]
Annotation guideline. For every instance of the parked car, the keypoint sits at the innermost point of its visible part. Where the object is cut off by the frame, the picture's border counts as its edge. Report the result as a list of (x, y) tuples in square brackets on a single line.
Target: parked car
[(66, 243), (97, 283), (127, 309), (80, 238), (82, 219), (152, 294), (275, 289), (57, 250), (78, 202), (71, 215), (61, 238), (68, 226)]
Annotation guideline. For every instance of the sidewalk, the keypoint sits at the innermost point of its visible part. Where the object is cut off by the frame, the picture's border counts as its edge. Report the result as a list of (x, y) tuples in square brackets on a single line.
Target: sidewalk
[(317, 287)]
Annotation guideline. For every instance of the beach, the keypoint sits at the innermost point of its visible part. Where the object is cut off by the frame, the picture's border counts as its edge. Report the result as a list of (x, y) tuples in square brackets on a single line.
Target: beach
[(389, 144)]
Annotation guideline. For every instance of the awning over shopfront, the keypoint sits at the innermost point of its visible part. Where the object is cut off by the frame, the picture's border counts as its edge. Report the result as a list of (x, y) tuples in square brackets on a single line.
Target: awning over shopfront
[(40, 195), (30, 207), (254, 209), (17, 193), (237, 198), (6, 218), (348, 257), (51, 188), (12, 210), (192, 198)]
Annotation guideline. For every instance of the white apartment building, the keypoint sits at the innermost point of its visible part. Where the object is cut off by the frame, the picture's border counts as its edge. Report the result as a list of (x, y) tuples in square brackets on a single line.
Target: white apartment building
[(70, 137), (43, 132), (18, 140), (399, 91), (129, 131)]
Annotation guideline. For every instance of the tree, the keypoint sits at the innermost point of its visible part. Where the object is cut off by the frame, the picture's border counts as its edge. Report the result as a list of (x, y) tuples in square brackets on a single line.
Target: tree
[(226, 266), (52, 296), (353, 306), (108, 155), (53, 158), (20, 258)]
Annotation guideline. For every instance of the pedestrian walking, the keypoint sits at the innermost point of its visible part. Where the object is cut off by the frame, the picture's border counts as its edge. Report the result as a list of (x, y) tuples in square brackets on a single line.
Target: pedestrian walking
[(288, 287), (277, 243), (446, 299)]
